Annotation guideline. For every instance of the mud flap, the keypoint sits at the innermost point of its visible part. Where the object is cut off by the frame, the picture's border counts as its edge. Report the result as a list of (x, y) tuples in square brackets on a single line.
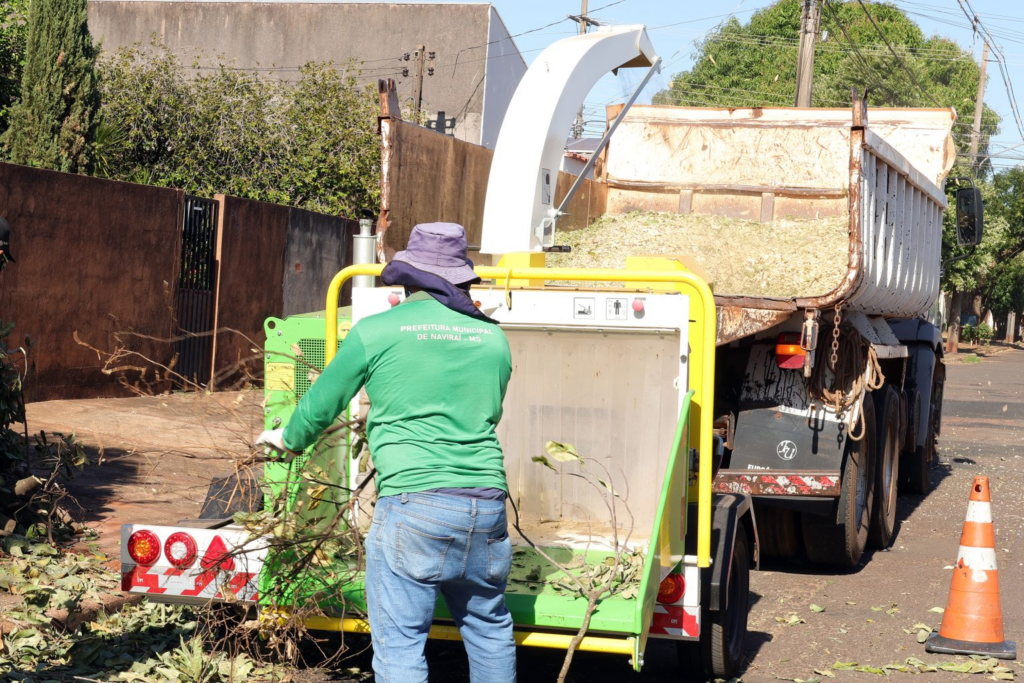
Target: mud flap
[(732, 513), (231, 494)]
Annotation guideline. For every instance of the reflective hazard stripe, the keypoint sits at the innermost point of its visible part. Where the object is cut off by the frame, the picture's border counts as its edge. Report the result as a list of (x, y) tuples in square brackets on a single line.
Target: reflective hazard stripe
[(979, 511), (979, 559)]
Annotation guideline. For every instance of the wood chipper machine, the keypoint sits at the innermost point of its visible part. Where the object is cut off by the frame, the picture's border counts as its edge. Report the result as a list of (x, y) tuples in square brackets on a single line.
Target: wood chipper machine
[(619, 363)]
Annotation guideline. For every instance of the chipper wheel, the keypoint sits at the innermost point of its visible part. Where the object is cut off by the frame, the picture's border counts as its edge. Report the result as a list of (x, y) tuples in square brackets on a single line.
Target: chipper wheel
[(839, 538), (719, 652), (887, 466)]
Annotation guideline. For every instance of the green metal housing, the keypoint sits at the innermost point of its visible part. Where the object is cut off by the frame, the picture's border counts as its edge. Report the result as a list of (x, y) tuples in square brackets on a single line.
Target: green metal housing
[(294, 354)]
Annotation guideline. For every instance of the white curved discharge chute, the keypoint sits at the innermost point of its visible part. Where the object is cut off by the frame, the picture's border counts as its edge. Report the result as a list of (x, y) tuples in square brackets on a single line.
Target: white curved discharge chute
[(521, 187)]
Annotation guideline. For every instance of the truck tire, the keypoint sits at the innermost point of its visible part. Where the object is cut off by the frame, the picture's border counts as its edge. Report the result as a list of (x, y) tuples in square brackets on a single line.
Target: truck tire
[(840, 540), (887, 466), (916, 468), (719, 652)]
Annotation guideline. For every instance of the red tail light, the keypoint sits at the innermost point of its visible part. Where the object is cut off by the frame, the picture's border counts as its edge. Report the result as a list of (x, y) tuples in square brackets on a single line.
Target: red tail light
[(788, 352), (671, 589), (144, 547), (180, 549)]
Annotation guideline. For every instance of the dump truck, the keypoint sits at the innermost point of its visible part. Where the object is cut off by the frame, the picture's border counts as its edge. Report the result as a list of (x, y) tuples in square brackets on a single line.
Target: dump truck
[(820, 232)]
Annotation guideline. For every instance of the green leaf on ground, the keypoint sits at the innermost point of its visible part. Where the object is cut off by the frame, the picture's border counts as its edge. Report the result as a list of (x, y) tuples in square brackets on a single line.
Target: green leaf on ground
[(816, 608)]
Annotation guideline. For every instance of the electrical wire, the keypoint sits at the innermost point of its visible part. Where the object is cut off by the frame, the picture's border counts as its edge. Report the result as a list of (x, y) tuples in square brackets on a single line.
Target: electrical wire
[(965, 5), (899, 61)]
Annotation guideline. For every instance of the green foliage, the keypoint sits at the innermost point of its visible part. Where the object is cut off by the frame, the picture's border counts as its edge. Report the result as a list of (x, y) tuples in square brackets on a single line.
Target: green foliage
[(311, 143), (144, 643), (977, 334), (12, 407), (755, 64), (51, 126), (13, 36), (1002, 288), (995, 269)]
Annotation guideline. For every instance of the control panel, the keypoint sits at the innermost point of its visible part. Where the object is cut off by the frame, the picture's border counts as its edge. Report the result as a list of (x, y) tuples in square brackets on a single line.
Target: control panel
[(548, 307)]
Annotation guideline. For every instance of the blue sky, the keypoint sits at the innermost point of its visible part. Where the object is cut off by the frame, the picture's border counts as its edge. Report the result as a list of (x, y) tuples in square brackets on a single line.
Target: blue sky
[(1004, 18)]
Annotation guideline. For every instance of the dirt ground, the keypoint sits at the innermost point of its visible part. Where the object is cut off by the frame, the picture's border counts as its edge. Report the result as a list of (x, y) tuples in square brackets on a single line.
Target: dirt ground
[(159, 457), (158, 454)]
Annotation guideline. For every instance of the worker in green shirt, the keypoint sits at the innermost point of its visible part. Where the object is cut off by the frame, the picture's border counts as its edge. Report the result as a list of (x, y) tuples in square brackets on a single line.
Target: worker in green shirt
[(435, 369)]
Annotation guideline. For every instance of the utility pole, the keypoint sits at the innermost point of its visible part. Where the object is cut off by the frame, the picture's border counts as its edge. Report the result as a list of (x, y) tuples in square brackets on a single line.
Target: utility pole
[(979, 107), (810, 20), (584, 21), (424, 63)]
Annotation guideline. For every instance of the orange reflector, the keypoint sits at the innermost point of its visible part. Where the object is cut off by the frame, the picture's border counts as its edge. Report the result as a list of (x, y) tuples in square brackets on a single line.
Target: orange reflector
[(144, 547), (671, 589), (788, 353)]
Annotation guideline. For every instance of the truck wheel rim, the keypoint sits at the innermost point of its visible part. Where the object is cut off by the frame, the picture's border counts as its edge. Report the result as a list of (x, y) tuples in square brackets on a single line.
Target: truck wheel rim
[(889, 474), (863, 487)]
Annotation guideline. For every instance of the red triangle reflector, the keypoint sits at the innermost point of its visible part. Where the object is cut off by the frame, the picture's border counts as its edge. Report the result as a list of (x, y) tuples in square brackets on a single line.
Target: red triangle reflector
[(216, 556)]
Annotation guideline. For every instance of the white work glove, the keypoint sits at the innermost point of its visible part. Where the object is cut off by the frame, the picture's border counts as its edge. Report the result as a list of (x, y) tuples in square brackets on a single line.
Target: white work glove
[(273, 442)]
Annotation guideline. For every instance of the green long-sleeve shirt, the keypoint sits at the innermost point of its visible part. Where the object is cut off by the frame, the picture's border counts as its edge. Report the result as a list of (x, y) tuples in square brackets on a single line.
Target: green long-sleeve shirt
[(436, 380)]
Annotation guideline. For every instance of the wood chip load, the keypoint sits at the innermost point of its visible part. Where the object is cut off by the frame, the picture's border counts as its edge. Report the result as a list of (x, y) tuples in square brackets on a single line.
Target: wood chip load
[(782, 259)]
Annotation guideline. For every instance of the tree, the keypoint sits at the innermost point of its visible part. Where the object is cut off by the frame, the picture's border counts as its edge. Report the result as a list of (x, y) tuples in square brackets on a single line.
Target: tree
[(311, 143), (1000, 284), (755, 64), (51, 126), (13, 35)]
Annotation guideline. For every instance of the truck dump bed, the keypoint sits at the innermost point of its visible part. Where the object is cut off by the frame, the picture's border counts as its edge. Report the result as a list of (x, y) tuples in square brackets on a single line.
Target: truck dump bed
[(772, 165)]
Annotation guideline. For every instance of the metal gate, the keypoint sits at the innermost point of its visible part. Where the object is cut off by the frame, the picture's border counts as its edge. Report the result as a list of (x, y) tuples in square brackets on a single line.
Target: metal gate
[(196, 281)]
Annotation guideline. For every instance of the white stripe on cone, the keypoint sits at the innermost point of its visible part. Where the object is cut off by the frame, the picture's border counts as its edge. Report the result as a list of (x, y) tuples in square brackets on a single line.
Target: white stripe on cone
[(978, 560), (979, 511)]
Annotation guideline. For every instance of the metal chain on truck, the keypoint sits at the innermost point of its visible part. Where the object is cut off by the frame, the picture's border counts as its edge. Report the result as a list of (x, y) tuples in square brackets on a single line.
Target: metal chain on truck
[(837, 322), (855, 370)]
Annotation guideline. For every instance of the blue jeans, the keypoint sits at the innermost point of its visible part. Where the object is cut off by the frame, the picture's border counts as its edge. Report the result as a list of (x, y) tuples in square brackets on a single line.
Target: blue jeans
[(421, 544)]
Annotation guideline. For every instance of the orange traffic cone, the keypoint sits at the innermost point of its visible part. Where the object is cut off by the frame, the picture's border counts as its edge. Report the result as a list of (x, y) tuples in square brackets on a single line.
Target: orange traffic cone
[(973, 621)]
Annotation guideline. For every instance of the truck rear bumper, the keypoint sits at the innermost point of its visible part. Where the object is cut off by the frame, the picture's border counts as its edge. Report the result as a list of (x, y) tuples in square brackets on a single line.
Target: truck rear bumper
[(819, 483)]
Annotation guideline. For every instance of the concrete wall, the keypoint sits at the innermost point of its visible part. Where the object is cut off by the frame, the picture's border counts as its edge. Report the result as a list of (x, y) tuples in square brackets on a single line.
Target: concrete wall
[(505, 68), (318, 246), (273, 261), (278, 38), (100, 259), (251, 253), (95, 257)]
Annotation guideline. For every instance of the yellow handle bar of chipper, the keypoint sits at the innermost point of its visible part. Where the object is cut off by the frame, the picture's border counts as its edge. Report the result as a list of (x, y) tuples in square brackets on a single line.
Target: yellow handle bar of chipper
[(705, 373)]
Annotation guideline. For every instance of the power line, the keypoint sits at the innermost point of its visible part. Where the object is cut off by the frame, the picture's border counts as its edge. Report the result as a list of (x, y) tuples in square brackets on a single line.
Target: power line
[(1000, 60), (896, 56), (868, 69)]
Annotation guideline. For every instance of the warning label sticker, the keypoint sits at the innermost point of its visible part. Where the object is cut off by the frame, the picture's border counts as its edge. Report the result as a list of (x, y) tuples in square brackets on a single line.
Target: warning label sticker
[(583, 308), (615, 309), (279, 377)]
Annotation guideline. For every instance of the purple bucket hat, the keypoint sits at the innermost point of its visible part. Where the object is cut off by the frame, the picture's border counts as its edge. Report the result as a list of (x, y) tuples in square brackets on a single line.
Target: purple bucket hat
[(439, 248)]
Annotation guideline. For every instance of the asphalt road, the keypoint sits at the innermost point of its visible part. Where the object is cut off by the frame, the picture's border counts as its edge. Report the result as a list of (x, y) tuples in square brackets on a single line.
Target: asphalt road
[(867, 609), (146, 477)]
